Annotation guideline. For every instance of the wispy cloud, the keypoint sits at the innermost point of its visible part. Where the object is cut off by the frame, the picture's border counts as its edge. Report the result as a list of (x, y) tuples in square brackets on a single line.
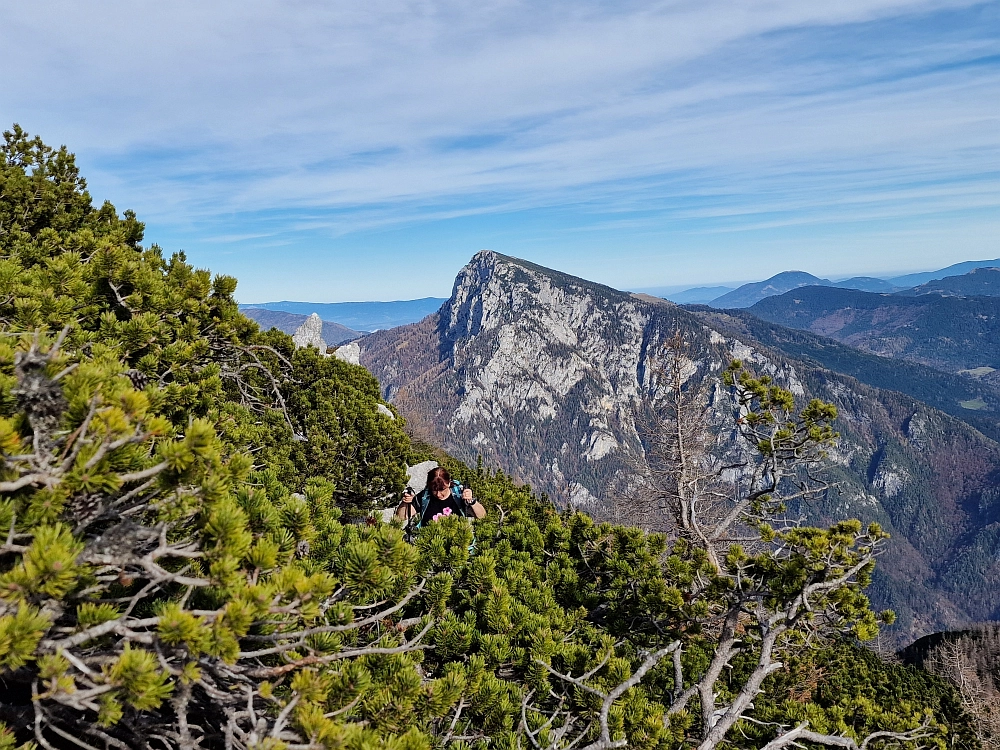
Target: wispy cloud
[(232, 124)]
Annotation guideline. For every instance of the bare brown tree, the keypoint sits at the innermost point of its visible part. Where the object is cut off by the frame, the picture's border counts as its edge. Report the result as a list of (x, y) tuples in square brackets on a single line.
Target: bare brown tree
[(969, 661), (676, 485), (686, 481)]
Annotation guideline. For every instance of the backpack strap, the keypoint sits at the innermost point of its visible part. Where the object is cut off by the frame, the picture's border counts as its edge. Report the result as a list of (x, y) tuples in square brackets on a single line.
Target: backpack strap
[(425, 499)]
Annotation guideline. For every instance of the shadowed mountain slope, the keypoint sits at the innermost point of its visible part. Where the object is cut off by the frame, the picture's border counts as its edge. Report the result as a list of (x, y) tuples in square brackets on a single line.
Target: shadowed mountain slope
[(945, 391), (749, 294), (542, 374), (983, 282), (946, 333), (982, 642), (866, 284), (957, 269)]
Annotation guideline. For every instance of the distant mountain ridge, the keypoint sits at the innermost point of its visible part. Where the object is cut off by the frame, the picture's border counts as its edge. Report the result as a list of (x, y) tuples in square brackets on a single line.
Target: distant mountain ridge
[(541, 374), (359, 316), (751, 293), (980, 282), (699, 295), (866, 284), (915, 279)]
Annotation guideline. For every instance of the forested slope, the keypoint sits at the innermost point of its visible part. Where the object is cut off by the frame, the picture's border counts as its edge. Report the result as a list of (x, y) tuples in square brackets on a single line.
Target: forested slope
[(942, 390), (981, 282)]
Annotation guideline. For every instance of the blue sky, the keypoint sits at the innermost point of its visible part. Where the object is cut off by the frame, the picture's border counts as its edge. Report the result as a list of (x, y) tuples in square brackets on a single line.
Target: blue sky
[(355, 150)]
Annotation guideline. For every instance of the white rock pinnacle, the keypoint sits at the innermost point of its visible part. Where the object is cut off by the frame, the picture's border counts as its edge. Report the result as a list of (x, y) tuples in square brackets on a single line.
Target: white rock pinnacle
[(310, 333)]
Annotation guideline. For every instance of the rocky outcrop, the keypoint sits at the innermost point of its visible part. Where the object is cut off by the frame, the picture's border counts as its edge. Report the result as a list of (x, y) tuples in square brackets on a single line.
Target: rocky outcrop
[(416, 475), (542, 375), (539, 372), (310, 333), (350, 353)]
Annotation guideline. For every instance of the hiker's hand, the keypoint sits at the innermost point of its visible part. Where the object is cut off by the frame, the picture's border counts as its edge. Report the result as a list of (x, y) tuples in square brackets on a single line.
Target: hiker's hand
[(467, 496), (408, 495)]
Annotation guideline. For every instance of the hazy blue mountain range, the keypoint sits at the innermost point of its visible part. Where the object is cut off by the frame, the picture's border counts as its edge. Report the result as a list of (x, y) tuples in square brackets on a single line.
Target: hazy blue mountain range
[(866, 284), (749, 294), (982, 282), (915, 279), (700, 295), (333, 333), (952, 334), (542, 374), (360, 316)]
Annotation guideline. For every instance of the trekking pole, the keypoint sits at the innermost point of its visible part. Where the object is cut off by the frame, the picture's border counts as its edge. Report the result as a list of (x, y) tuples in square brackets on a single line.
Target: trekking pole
[(410, 513)]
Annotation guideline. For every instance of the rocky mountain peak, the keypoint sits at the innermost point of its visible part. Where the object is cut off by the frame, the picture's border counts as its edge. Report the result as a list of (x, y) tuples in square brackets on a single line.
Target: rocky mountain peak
[(528, 361), (494, 288)]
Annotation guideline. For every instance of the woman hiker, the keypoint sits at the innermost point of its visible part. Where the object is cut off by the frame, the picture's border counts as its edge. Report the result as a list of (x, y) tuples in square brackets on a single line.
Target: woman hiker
[(441, 497)]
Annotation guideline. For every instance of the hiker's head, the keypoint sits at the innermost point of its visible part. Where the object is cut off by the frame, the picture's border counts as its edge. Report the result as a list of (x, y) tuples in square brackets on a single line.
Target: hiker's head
[(439, 482)]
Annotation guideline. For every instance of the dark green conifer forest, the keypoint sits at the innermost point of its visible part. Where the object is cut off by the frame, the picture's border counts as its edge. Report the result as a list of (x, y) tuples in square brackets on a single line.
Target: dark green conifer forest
[(188, 559)]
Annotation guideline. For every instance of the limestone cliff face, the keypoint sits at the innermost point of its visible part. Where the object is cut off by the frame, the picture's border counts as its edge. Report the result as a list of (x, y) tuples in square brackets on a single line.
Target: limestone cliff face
[(538, 372), (542, 374), (548, 367)]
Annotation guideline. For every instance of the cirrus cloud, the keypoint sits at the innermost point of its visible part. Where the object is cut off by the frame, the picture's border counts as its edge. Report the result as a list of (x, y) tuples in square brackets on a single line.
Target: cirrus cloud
[(256, 133)]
